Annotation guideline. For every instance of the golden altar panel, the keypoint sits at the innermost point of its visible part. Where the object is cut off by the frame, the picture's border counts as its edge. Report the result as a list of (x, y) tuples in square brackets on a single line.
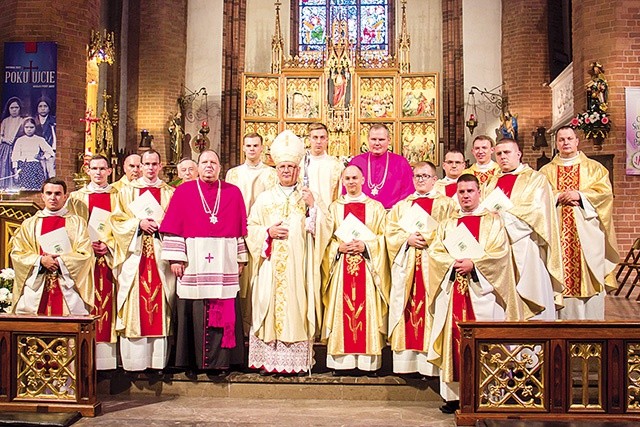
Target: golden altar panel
[(376, 98), (261, 97), (419, 141), (302, 96), (633, 377), (419, 95), (586, 375)]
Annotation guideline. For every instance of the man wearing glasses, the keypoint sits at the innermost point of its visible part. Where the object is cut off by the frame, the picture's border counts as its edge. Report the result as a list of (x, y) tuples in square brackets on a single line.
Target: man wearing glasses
[(453, 165), (409, 319)]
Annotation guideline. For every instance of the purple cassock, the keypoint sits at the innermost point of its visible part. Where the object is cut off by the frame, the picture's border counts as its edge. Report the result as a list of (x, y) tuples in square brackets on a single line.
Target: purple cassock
[(387, 180), (205, 229)]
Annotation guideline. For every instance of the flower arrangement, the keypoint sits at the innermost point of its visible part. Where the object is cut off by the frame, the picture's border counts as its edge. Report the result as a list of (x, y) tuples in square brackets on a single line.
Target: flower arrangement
[(7, 276), (593, 123)]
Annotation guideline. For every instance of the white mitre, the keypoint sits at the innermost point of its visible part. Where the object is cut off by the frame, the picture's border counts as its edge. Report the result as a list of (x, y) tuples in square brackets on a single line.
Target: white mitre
[(287, 147)]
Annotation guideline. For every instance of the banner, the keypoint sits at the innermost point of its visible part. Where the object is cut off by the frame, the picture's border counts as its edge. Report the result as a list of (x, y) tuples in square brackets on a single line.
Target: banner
[(632, 95), (28, 126)]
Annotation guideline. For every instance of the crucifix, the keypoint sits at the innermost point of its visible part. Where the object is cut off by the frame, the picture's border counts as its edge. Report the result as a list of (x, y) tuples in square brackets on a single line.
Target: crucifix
[(89, 120)]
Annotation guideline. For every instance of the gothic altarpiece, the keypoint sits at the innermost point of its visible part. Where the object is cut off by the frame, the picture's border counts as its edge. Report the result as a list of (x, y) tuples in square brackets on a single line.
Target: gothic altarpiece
[(348, 91)]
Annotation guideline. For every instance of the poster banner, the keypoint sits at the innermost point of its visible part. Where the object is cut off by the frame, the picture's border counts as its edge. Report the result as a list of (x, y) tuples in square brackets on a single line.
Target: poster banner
[(28, 126), (632, 96)]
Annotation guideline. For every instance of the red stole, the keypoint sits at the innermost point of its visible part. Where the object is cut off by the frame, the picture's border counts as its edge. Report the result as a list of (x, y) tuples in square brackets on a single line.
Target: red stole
[(354, 293), (52, 300), (151, 296), (505, 183), (415, 310), (450, 189), (462, 308), (104, 302), (569, 179)]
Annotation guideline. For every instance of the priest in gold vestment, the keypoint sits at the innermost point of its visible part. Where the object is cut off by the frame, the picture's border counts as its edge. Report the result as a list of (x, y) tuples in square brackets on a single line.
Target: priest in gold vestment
[(461, 289), (98, 194), (484, 168), (46, 282), (532, 227), (252, 178), (285, 243), (409, 318), (584, 200), (131, 168), (146, 284), (355, 282)]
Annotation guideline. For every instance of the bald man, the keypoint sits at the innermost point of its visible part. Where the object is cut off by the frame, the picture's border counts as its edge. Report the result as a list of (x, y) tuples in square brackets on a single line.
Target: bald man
[(132, 171)]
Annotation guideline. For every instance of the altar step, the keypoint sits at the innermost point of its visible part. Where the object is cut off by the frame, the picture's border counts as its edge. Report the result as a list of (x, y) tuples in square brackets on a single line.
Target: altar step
[(323, 386)]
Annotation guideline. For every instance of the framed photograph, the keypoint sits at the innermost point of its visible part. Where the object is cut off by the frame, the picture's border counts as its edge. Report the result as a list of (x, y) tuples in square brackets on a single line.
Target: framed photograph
[(363, 137), (419, 141), (303, 97), (260, 96), (376, 97), (419, 95), (268, 131)]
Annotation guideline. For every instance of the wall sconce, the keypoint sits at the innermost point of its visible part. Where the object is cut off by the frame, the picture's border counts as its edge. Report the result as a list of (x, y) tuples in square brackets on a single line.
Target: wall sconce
[(539, 138), (145, 139), (102, 47)]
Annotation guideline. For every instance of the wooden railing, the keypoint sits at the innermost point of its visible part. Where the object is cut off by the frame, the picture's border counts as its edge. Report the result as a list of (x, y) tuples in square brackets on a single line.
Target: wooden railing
[(549, 371), (47, 364)]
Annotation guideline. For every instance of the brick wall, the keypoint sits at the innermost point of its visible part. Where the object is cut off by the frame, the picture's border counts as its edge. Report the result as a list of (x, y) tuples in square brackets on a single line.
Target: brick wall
[(68, 23), (607, 32), (525, 69), (157, 72)]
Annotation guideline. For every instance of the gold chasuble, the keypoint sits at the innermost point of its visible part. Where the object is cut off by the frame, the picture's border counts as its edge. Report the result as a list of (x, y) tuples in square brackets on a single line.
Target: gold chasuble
[(82, 202), (534, 235), (355, 291), (484, 173), (68, 291), (286, 281), (587, 234), (409, 319), (487, 294), (146, 286)]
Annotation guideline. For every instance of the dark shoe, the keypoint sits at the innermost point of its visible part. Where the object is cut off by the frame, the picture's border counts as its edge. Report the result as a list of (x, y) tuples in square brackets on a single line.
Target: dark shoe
[(450, 407)]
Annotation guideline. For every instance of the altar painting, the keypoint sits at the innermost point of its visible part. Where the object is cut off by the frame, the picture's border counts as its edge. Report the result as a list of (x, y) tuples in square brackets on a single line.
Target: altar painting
[(420, 142)]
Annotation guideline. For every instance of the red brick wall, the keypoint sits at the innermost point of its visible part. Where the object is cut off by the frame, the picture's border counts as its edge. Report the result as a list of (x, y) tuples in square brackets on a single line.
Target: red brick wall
[(607, 32), (525, 69), (159, 73), (68, 23)]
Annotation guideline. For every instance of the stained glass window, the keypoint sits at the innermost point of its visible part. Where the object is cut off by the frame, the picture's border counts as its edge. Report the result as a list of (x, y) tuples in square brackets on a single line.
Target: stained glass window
[(367, 20)]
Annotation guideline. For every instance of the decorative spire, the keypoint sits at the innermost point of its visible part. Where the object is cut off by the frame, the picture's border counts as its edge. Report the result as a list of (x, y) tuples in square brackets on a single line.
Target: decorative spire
[(277, 44), (404, 42)]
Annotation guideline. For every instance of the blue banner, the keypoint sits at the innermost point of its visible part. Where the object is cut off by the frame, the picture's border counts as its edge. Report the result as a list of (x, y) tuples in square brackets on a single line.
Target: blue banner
[(28, 127)]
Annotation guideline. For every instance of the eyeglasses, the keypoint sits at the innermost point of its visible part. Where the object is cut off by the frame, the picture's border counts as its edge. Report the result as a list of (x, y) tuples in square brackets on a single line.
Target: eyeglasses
[(423, 177)]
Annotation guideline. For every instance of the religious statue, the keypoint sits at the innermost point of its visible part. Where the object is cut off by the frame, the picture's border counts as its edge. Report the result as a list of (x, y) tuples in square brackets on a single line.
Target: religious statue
[(509, 126), (597, 88), (176, 131)]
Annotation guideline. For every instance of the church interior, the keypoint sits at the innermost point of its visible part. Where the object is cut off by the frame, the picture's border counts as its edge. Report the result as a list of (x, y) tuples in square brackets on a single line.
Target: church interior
[(182, 76)]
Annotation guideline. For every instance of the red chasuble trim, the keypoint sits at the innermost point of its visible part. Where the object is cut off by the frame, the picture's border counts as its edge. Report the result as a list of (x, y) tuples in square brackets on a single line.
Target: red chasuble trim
[(450, 190), (354, 293), (569, 179), (52, 300), (104, 301), (462, 308), (483, 177), (151, 295), (425, 203), (506, 182)]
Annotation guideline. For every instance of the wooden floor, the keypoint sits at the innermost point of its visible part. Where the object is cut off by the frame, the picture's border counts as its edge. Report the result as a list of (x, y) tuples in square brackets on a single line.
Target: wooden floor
[(621, 309)]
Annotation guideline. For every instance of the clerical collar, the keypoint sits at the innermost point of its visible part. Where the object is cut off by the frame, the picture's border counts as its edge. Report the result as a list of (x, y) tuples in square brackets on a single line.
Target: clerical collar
[(60, 212), (360, 198), (93, 187), (448, 180), (287, 190), (569, 160), (428, 194), (516, 170), (484, 168), (250, 166), (320, 157), (477, 211), (144, 181)]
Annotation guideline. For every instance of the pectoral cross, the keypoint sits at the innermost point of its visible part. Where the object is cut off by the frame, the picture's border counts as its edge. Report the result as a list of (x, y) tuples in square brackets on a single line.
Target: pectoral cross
[(374, 192), (209, 257), (213, 219)]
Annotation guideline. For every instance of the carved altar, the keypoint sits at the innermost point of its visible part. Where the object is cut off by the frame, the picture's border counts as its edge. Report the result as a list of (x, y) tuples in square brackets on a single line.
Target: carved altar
[(348, 91), (12, 213)]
